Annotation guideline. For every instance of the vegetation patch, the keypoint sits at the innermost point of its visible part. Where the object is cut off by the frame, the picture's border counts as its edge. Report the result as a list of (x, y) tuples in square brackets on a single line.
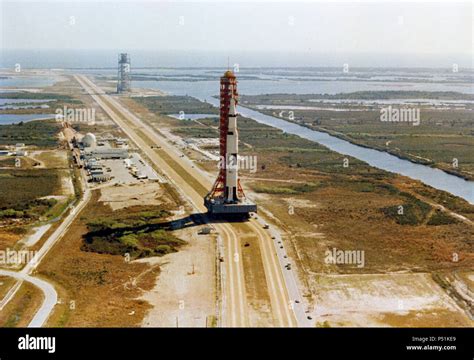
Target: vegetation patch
[(23, 193), (140, 235), (175, 104), (413, 213), (41, 133), (441, 218), (287, 190)]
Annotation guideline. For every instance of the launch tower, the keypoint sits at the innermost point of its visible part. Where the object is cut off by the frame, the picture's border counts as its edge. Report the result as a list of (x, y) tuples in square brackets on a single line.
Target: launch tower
[(124, 78)]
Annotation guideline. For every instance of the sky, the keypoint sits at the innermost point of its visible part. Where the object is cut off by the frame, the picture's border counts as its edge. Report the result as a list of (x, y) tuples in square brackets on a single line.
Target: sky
[(285, 26)]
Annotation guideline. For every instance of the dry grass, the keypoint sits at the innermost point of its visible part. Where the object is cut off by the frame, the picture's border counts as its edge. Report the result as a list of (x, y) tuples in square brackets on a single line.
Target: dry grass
[(21, 309), (258, 298), (6, 283)]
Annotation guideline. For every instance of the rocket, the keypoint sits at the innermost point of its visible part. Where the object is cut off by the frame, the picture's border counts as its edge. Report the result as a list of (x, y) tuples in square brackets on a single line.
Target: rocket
[(232, 150)]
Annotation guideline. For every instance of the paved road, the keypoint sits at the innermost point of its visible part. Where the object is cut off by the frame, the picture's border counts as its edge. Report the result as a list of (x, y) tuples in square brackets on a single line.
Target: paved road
[(234, 297), (49, 293)]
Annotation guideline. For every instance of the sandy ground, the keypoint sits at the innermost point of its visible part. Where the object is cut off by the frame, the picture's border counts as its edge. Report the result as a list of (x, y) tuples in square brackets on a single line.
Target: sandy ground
[(51, 159), (384, 300), (67, 186), (36, 235), (55, 159), (184, 294), (119, 197)]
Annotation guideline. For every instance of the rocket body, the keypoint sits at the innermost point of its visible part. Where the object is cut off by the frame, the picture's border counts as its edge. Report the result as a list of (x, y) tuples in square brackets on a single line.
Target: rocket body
[(232, 150)]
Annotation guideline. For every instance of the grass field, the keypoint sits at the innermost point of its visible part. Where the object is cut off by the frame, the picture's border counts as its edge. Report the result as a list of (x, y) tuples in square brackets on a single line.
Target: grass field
[(26, 201), (175, 104), (42, 133), (23, 186)]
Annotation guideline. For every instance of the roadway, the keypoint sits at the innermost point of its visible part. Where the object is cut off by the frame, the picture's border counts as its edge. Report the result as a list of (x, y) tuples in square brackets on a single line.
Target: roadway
[(49, 293)]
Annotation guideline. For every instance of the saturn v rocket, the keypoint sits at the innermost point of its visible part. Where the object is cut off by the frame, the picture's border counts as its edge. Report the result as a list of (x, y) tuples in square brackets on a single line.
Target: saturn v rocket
[(227, 196)]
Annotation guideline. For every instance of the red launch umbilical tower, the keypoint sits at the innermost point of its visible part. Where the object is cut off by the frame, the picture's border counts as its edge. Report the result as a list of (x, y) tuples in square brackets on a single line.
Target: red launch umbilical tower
[(227, 195), (228, 91)]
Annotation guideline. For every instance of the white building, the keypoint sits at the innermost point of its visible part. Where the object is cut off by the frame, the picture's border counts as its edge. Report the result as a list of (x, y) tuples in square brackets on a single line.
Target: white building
[(89, 140), (107, 153)]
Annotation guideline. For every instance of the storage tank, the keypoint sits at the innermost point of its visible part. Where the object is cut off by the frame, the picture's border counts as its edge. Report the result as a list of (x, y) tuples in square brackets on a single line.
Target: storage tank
[(89, 140)]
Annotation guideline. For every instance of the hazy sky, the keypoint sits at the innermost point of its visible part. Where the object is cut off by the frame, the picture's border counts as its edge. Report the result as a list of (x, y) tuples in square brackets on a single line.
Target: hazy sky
[(284, 26)]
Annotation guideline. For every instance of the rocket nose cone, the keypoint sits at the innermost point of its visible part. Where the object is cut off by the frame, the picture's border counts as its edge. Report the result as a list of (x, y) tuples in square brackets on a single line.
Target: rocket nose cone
[(229, 74)]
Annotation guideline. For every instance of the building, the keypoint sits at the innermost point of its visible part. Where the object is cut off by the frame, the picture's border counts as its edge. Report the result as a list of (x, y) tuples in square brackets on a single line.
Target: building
[(94, 166), (121, 142), (107, 153), (97, 172), (100, 177), (141, 175), (89, 140)]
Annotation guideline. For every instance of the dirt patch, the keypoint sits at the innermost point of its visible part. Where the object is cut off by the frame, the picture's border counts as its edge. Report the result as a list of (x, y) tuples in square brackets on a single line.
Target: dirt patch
[(67, 186), (184, 294), (8, 239), (300, 203), (51, 159), (119, 197), (384, 300), (258, 299)]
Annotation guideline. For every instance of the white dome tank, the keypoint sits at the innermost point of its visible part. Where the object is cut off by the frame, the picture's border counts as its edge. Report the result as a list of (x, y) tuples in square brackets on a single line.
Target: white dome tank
[(89, 140)]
